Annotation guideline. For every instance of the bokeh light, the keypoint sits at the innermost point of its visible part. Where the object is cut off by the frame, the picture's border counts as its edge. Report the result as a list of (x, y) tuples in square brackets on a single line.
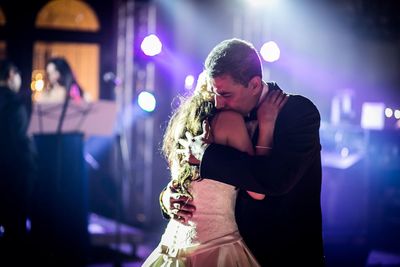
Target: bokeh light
[(151, 45), (147, 101), (270, 51)]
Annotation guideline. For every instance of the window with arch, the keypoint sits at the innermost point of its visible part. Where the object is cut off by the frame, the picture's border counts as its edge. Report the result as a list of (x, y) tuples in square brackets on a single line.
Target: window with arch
[(68, 15), (73, 15)]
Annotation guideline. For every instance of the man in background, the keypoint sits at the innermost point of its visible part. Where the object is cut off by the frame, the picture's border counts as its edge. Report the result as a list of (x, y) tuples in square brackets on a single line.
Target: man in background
[(16, 165)]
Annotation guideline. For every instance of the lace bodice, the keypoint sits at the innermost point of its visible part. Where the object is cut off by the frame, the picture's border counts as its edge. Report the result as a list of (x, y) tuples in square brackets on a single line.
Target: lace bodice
[(214, 216)]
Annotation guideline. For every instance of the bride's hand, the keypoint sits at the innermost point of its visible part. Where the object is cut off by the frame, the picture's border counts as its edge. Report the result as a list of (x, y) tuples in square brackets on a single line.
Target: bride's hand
[(269, 108)]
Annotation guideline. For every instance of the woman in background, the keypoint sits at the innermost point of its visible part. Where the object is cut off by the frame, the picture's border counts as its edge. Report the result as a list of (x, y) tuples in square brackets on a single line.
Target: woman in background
[(60, 81)]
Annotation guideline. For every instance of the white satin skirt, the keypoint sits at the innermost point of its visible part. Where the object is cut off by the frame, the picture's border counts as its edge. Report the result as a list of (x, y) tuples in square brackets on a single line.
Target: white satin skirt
[(226, 251)]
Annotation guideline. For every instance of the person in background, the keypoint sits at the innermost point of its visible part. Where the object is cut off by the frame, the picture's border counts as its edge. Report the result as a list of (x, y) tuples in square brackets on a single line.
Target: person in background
[(61, 80), (17, 166)]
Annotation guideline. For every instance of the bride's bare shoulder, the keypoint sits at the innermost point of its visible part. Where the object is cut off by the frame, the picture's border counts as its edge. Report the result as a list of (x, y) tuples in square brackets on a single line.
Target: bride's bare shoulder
[(225, 123)]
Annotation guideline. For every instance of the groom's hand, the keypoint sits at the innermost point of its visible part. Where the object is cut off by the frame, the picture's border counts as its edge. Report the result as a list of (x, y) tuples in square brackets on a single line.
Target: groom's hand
[(181, 207), (194, 146)]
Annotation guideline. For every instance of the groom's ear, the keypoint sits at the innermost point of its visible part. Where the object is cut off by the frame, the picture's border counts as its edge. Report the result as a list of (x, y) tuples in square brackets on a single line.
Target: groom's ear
[(255, 84)]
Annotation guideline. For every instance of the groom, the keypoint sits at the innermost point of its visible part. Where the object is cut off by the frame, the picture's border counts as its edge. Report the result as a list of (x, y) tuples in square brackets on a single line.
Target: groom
[(284, 229)]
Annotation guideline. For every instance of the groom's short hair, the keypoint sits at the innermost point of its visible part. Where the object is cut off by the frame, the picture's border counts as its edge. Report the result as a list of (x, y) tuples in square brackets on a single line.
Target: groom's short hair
[(235, 57)]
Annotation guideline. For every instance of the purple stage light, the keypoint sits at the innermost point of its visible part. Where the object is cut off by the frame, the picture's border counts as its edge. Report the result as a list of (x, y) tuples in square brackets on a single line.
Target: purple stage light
[(147, 101), (151, 45), (388, 112), (189, 82), (397, 114), (270, 51), (372, 116)]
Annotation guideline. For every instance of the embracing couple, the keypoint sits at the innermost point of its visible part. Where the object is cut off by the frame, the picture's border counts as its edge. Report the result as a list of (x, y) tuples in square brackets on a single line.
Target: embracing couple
[(245, 171)]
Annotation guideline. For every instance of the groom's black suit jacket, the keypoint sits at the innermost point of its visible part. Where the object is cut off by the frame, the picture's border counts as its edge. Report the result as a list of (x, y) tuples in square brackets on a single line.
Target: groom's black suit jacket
[(284, 229)]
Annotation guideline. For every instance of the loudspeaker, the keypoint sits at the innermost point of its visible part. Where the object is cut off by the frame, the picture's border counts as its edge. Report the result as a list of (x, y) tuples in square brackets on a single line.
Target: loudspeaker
[(59, 219)]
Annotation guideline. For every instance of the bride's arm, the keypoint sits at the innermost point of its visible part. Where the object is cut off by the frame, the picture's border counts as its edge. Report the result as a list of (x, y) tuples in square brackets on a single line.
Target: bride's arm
[(267, 113), (228, 128)]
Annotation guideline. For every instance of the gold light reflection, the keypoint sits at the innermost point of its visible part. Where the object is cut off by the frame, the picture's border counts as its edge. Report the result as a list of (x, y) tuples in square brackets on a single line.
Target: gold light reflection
[(37, 83), (2, 18)]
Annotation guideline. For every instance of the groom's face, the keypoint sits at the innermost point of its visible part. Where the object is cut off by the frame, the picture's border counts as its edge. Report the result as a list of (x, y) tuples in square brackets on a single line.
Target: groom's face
[(230, 95)]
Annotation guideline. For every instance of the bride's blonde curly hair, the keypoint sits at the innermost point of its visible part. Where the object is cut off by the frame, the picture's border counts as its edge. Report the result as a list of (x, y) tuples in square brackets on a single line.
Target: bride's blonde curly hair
[(188, 117)]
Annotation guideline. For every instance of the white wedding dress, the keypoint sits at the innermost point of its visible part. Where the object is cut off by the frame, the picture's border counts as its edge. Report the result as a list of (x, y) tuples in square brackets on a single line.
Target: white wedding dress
[(211, 238)]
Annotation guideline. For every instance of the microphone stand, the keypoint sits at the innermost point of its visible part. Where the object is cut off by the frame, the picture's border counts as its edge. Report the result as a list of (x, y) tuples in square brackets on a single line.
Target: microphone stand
[(59, 135), (64, 109)]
